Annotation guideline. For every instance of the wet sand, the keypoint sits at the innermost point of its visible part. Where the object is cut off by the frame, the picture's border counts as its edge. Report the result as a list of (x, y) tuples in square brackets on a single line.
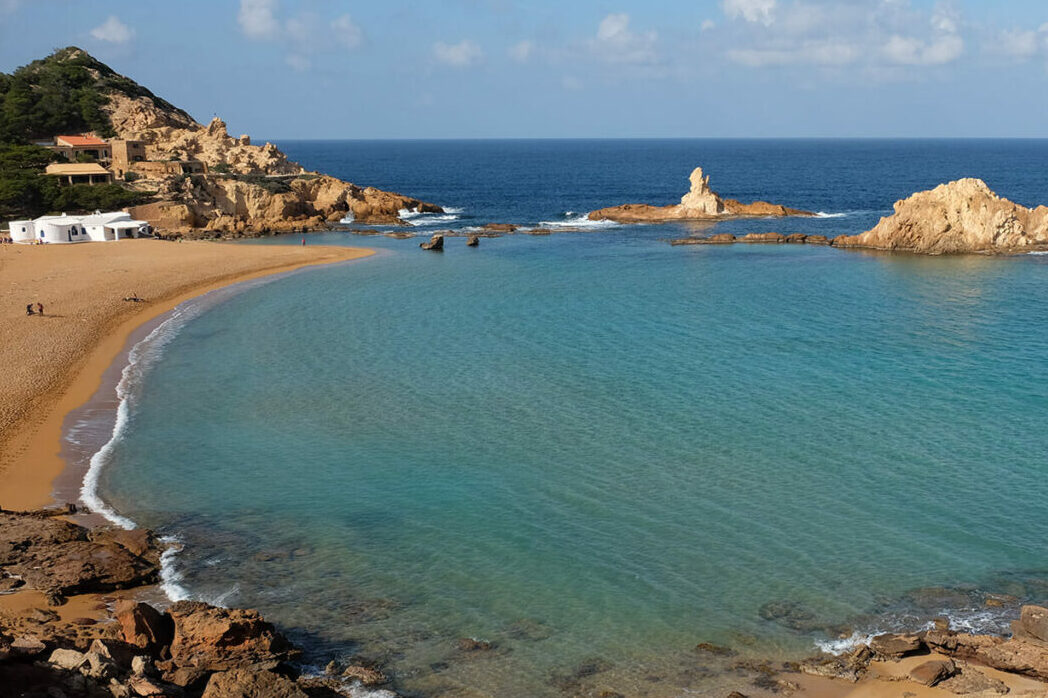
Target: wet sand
[(55, 362)]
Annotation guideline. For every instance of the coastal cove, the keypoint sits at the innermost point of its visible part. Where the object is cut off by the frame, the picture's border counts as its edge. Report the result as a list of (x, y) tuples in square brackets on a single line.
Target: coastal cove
[(626, 450)]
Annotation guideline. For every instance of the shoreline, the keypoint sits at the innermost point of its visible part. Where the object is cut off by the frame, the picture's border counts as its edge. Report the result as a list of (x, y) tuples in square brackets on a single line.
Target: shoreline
[(32, 453)]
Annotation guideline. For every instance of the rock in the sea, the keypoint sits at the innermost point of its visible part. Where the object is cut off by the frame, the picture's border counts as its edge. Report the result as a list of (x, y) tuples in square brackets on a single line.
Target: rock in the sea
[(436, 243), (500, 227), (959, 217), (715, 650), (718, 239), (700, 203), (472, 241), (817, 240), (763, 237), (365, 675), (933, 671), (217, 639), (849, 667), (472, 644), (797, 238)]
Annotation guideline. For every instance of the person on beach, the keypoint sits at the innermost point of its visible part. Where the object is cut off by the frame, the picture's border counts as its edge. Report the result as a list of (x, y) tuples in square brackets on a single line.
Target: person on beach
[(29, 309), (40, 308), (303, 242)]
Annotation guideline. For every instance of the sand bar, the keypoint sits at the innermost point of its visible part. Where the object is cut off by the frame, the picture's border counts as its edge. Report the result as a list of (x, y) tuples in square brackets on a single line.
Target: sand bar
[(54, 363)]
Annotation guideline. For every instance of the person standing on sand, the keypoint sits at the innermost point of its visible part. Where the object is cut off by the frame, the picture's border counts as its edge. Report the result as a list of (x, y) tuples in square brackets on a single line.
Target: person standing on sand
[(29, 309), (40, 308), (303, 242)]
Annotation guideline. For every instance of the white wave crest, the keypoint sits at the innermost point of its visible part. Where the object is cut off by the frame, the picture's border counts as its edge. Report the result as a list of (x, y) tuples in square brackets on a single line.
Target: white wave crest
[(348, 218), (570, 221), (170, 576), (141, 357), (418, 219), (823, 214), (1038, 254)]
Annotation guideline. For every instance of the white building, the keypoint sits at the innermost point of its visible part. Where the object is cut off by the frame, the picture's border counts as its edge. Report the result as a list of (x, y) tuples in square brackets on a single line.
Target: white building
[(98, 227), (113, 226)]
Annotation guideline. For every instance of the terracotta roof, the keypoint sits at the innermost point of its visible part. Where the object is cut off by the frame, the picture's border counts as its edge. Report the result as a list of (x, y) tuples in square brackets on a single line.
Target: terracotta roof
[(76, 168), (79, 141)]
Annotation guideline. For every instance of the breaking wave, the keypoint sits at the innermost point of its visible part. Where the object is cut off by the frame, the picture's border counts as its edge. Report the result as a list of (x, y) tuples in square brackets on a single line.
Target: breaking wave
[(571, 220)]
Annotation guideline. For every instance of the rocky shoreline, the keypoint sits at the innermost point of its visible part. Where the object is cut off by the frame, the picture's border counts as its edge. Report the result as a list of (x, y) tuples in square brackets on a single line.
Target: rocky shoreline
[(129, 648)]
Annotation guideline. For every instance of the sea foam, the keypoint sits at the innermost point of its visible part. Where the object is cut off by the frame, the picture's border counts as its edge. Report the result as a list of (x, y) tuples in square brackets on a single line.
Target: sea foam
[(571, 220)]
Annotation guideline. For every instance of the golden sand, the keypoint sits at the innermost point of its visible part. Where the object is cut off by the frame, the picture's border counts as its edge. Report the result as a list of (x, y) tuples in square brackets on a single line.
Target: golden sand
[(53, 363)]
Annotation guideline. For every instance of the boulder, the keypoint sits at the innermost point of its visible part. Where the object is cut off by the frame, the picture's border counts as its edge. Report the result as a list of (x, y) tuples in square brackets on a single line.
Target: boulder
[(892, 646), (217, 639), (1029, 658), (472, 241), (27, 646), (933, 671), (718, 239), (817, 240), (1033, 623), (143, 626), (241, 683), (849, 667), (436, 243), (423, 207), (500, 227), (145, 687), (70, 660), (797, 238)]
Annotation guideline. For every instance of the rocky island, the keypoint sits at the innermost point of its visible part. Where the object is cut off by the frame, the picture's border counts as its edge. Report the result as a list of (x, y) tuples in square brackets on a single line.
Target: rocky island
[(700, 204), (964, 216)]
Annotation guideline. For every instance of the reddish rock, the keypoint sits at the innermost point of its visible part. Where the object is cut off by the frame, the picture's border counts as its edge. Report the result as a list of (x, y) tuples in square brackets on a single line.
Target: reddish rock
[(218, 639), (817, 240), (797, 238), (472, 241), (143, 626), (1033, 623), (365, 675), (500, 227)]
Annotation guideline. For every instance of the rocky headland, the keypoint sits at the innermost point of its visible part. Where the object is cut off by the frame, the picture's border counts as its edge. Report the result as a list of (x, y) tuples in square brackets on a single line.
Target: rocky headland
[(700, 203), (201, 182), (964, 216), (122, 647)]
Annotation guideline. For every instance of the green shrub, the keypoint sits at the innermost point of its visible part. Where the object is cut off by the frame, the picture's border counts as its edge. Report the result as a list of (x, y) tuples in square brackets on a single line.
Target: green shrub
[(130, 176)]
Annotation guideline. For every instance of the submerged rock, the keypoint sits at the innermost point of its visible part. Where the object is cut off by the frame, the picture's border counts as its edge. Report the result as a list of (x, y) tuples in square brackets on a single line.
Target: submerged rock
[(472, 241)]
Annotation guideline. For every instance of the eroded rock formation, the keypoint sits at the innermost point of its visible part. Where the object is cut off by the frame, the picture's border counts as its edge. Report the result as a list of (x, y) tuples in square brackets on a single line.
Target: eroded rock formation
[(700, 203), (962, 216)]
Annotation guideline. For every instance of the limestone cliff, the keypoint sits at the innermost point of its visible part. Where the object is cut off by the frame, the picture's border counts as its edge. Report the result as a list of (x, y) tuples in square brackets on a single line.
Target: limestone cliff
[(700, 203), (962, 216)]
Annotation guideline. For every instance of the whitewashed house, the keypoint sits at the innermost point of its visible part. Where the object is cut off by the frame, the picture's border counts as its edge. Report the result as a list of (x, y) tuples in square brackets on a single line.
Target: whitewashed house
[(22, 231), (98, 227), (59, 229), (102, 227)]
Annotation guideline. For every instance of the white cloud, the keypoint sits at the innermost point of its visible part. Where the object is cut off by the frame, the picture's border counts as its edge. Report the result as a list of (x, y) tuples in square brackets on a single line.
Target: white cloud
[(348, 33), (707, 24), (616, 43), (258, 18), (1017, 43), (907, 50), (762, 11), (522, 51), (461, 55), (114, 31), (298, 62)]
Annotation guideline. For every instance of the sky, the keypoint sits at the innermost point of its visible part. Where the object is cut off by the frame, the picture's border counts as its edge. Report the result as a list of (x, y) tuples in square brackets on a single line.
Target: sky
[(288, 69)]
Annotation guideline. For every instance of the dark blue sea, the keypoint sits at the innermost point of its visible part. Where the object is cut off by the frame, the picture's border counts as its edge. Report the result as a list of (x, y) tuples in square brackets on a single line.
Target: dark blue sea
[(594, 449)]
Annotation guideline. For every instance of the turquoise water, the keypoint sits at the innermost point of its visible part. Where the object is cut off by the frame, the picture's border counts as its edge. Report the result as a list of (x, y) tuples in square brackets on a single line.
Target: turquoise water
[(597, 445)]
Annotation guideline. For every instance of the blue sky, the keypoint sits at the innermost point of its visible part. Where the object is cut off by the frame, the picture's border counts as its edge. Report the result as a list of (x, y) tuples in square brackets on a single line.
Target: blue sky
[(283, 69)]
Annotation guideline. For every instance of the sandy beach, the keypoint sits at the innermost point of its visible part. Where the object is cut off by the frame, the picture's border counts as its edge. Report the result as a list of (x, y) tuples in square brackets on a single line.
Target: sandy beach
[(53, 363)]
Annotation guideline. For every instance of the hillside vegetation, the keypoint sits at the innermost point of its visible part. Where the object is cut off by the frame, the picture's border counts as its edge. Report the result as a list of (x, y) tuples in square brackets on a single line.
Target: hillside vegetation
[(65, 93)]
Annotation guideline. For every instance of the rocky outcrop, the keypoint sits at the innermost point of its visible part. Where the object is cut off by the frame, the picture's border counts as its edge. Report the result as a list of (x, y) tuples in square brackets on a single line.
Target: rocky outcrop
[(473, 241), (960, 217), (231, 205), (700, 203), (60, 558)]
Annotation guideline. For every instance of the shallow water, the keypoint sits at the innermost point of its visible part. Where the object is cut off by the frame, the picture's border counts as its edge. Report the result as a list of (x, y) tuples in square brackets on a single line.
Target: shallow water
[(597, 446)]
